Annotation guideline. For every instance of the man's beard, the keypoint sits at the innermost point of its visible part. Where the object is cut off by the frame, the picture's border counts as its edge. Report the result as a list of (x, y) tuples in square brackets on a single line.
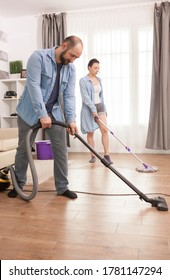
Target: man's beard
[(62, 58)]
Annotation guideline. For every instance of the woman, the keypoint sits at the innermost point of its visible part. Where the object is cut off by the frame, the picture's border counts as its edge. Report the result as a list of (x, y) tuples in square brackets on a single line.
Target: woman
[(93, 105)]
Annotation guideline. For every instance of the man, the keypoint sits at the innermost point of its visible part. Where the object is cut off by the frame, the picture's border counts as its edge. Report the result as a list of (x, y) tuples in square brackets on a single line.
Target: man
[(50, 83)]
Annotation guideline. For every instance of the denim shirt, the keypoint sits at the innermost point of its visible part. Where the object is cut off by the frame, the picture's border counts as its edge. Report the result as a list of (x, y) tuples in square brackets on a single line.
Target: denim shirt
[(41, 76), (88, 104)]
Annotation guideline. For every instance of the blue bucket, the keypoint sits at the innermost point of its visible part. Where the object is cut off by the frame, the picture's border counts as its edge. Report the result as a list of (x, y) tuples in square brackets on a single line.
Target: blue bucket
[(44, 150)]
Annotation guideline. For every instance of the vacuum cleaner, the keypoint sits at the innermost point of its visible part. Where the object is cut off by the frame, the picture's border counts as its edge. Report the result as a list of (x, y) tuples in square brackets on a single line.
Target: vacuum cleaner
[(158, 202)]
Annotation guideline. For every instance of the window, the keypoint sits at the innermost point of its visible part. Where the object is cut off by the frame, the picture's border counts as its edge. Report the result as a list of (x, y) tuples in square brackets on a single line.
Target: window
[(121, 39)]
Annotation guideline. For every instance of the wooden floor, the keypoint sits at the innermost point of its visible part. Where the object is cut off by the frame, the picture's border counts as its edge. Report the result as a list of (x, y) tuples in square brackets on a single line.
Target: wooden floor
[(107, 221)]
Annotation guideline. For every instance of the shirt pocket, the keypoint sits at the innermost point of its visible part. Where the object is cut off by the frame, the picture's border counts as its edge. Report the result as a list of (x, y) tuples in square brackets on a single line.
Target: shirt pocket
[(46, 80)]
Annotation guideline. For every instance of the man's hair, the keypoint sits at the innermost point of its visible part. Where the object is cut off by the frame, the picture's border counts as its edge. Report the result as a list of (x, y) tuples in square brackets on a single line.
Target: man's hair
[(92, 61), (72, 41)]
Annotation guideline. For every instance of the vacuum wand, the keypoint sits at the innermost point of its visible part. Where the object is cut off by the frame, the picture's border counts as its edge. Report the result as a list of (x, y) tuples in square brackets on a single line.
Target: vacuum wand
[(158, 202)]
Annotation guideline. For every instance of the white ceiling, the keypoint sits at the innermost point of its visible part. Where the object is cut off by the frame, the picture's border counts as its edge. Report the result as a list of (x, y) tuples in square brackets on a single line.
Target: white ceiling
[(18, 8)]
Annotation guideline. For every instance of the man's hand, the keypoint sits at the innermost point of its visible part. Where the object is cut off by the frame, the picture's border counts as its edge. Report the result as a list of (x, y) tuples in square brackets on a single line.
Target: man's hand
[(72, 128), (46, 122)]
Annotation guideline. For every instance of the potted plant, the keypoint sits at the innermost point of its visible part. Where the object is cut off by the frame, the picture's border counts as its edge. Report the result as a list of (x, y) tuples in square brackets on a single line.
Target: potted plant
[(15, 67)]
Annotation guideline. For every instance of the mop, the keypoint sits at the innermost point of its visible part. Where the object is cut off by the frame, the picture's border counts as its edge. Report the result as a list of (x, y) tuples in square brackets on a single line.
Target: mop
[(145, 167)]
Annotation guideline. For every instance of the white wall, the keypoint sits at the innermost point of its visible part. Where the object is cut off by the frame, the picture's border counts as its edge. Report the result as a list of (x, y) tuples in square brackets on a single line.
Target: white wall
[(24, 36), (2, 24), (3, 45)]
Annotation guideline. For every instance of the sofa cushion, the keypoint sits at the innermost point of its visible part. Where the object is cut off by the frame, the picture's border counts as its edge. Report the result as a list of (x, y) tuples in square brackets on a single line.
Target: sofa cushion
[(8, 133), (8, 144), (7, 158)]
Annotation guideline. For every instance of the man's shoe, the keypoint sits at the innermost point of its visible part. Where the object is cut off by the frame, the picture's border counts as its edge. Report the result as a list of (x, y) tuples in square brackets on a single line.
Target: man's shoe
[(69, 194), (12, 193), (107, 157)]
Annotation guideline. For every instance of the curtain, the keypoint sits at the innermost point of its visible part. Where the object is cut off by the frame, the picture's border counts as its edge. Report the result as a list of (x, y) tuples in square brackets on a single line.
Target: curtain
[(121, 38), (53, 29), (159, 122)]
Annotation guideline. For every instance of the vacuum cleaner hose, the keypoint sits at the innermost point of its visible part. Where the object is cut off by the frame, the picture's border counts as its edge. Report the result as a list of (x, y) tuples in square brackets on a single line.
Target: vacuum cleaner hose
[(30, 195)]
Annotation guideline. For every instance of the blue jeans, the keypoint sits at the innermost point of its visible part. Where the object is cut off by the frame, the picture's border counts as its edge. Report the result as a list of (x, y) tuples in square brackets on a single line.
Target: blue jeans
[(57, 136)]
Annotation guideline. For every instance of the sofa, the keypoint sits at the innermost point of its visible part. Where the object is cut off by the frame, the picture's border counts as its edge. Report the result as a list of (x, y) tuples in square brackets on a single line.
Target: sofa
[(8, 145)]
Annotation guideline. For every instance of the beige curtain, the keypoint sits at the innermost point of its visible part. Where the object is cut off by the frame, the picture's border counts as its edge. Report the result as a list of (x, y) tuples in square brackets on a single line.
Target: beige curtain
[(54, 29), (158, 137)]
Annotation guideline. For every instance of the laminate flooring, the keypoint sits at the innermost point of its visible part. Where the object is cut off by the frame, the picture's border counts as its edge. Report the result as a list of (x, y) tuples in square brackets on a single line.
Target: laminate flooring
[(108, 220)]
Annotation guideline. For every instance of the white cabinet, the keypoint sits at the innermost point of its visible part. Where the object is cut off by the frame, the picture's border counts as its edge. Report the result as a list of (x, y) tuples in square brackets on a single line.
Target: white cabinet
[(8, 105)]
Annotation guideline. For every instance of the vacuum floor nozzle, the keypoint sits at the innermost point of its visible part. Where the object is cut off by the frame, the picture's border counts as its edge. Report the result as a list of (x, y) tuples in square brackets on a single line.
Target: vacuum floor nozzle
[(159, 203)]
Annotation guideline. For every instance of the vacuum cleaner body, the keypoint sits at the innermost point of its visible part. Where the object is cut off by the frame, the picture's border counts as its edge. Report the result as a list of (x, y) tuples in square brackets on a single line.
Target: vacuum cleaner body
[(5, 181)]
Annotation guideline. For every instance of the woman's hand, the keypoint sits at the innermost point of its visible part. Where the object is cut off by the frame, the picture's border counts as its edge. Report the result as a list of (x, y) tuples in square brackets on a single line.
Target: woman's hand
[(94, 114)]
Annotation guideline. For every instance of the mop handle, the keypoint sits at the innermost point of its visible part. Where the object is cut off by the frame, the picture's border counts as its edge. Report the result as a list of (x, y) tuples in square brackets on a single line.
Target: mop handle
[(96, 118)]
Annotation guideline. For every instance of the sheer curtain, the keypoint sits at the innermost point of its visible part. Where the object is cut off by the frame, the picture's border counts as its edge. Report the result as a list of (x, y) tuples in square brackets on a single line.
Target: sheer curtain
[(121, 38)]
